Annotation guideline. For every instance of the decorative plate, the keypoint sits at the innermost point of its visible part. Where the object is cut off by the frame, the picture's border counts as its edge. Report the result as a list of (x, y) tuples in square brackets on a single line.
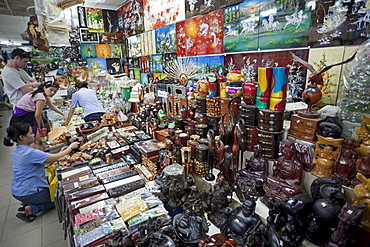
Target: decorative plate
[(89, 72), (79, 73), (63, 82)]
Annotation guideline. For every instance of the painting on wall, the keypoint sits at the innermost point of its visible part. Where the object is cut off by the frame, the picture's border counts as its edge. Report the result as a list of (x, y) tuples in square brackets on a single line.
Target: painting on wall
[(207, 6), (225, 3), (167, 59), (87, 51), (249, 63), (159, 13), (337, 22), (110, 38), (81, 13), (110, 19), (144, 63), (131, 18), (144, 79), (200, 35), (249, 13), (166, 39), (95, 20), (320, 58), (114, 65), (97, 63), (192, 8), (231, 31), (134, 48), (156, 63), (181, 38), (115, 51), (88, 37), (102, 50), (284, 25)]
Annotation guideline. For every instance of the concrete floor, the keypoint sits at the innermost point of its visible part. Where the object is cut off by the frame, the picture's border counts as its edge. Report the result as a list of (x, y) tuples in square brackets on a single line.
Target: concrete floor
[(45, 231)]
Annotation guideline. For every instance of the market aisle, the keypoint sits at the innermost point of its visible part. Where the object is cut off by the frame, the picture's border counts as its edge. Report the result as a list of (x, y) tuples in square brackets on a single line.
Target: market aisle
[(45, 231)]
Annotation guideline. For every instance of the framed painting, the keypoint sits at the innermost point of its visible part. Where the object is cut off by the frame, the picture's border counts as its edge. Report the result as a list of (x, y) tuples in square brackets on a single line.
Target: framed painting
[(247, 25), (87, 37), (131, 18), (231, 32), (337, 22), (87, 51), (95, 20), (110, 20), (144, 63), (192, 8), (159, 13), (97, 63), (181, 38), (81, 13), (115, 51), (114, 65), (134, 47), (144, 78), (102, 51), (110, 38), (166, 39), (156, 63)]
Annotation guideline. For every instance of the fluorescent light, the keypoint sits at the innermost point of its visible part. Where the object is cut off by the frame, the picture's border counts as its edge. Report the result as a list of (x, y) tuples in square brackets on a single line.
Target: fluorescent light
[(5, 42), (17, 43)]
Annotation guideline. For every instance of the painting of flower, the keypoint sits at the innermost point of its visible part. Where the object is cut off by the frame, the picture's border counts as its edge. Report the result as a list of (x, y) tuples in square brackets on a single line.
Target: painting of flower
[(95, 20)]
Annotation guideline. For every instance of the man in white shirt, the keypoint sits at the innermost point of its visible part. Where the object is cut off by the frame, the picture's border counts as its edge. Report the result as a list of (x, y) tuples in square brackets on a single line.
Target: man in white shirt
[(16, 81)]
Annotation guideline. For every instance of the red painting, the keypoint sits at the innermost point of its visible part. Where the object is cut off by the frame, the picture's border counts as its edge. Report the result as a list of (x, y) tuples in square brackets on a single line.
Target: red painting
[(200, 35), (181, 39)]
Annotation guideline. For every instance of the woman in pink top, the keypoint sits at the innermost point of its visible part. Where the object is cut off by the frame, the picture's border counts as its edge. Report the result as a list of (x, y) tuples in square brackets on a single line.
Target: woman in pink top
[(29, 107)]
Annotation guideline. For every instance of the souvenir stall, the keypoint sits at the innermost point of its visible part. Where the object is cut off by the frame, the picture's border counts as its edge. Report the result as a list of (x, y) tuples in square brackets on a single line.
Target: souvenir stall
[(227, 124)]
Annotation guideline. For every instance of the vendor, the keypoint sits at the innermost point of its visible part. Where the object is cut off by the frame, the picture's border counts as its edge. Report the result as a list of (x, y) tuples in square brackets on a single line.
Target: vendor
[(30, 185), (29, 107), (88, 100)]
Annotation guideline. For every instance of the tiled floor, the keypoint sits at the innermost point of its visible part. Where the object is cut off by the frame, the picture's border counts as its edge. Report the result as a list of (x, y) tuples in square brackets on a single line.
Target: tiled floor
[(45, 231)]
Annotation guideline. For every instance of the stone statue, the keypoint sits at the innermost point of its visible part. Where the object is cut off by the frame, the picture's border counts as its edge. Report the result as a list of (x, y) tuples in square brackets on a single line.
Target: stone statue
[(239, 223), (324, 163), (362, 195), (346, 162), (188, 227), (287, 175), (251, 178), (347, 232), (221, 198)]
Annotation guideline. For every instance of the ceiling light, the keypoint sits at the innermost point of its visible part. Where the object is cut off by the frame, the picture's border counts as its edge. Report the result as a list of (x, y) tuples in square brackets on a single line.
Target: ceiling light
[(17, 44), (5, 42)]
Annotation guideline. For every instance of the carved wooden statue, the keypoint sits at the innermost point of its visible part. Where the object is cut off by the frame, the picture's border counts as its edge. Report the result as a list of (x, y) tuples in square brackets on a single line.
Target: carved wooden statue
[(362, 166), (304, 156), (325, 155), (363, 137), (188, 227), (312, 94), (238, 224), (347, 232), (287, 175), (362, 195), (251, 178), (346, 162)]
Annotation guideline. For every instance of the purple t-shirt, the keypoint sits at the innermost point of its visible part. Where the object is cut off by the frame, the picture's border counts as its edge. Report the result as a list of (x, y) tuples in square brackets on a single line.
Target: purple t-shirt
[(28, 103)]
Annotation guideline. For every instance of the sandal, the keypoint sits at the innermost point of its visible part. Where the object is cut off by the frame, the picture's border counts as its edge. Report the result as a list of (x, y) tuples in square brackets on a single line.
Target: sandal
[(22, 209), (26, 218)]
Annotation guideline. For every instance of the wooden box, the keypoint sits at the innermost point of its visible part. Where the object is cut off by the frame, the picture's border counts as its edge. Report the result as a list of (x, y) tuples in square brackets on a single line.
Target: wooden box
[(251, 133), (170, 106), (161, 134), (268, 120), (304, 128), (200, 105), (248, 113)]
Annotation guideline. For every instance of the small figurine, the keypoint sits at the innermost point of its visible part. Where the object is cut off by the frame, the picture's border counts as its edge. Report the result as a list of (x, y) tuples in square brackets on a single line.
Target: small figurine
[(347, 231), (189, 228), (217, 240), (228, 168), (238, 224), (287, 175), (304, 156), (251, 178)]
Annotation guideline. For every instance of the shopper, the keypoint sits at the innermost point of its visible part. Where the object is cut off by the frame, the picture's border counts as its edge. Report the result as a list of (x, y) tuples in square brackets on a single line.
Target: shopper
[(30, 106), (30, 185), (16, 80), (88, 100)]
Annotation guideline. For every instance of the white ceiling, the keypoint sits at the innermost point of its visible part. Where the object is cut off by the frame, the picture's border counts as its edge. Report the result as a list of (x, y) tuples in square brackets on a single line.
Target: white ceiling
[(11, 26)]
